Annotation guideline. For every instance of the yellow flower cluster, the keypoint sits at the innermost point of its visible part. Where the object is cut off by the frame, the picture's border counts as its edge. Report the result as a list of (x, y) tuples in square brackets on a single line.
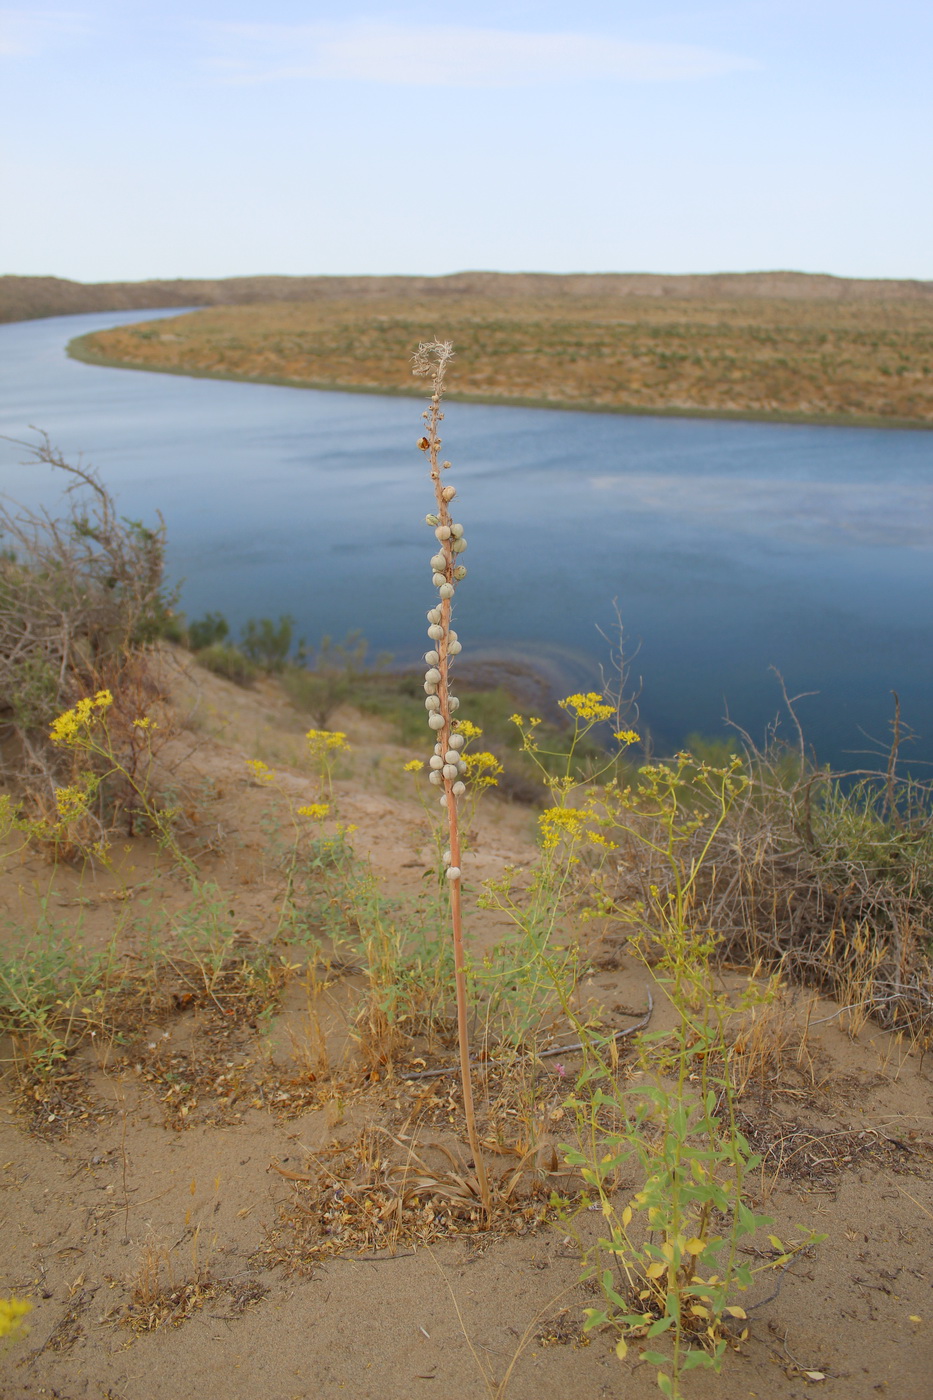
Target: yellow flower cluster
[(483, 769), (71, 802), (321, 741), (9, 815), (317, 811), (598, 839), (145, 723), (560, 821), (627, 736), (12, 1312), (67, 728), (589, 706), (414, 765), (468, 730), (520, 721), (260, 771)]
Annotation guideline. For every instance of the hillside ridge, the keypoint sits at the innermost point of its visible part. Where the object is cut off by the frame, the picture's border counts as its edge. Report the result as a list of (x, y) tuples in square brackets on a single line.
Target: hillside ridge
[(30, 298)]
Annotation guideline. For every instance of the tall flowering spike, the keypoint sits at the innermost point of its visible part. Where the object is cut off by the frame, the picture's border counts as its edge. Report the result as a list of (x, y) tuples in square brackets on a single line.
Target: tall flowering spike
[(432, 359), (448, 766)]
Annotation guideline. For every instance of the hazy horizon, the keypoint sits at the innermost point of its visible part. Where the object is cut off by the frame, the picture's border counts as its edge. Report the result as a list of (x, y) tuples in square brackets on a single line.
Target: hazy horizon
[(217, 137)]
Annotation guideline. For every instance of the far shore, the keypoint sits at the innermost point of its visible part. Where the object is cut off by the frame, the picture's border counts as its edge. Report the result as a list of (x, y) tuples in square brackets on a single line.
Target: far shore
[(82, 348)]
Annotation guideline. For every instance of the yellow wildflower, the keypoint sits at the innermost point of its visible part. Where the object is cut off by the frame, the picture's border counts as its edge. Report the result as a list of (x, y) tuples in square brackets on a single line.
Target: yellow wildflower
[(145, 723), (321, 740), (260, 771), (71, 802), (560, 821), (590, 706), (12, 1312), (627, 736), (317, 811), (483, 769), (516, 719), (414, 765), (468, 729), (66, 729)]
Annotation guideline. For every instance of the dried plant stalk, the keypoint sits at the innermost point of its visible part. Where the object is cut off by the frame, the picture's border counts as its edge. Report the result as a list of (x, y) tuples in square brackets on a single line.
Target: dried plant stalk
[(447, 766)]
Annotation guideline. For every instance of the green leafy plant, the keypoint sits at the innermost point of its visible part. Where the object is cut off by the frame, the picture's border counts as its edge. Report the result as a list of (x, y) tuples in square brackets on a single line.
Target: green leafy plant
[(668, 1262), (327, 676), (207, 631), (229, 662), (266, 643)]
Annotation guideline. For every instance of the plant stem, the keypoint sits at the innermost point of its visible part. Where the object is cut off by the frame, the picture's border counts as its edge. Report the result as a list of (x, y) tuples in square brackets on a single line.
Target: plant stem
[(433, 418)]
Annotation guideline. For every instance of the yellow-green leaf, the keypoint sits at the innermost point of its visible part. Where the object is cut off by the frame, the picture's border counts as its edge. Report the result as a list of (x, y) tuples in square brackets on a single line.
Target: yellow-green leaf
[(695, 1246), (621, 1348), (736, 1312), (656, 1269)]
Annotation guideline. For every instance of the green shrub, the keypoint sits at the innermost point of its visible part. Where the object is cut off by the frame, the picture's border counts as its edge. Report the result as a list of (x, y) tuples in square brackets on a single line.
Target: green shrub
[(228, 662), (266, 643), (207, 631), (332, 674)]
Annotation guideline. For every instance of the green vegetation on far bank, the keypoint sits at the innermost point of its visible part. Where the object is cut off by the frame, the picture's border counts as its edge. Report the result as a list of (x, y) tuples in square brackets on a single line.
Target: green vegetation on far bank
[(863, 363)]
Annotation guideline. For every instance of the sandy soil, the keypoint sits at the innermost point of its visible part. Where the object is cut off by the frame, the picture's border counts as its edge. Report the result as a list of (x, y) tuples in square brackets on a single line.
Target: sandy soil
[(162, 1201)]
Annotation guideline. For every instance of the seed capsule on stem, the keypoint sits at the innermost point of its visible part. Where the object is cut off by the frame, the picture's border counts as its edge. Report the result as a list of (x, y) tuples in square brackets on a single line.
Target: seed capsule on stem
[(435, 632), (431, 657), (431, 702), (446, 572), (432, 675)]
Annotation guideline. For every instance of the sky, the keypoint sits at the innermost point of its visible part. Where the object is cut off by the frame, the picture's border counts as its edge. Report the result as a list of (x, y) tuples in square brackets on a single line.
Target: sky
[(208, 139)]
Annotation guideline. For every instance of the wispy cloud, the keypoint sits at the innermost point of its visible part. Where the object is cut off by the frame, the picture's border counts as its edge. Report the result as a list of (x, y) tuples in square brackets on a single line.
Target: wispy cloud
[(27, 32), (453, 56)]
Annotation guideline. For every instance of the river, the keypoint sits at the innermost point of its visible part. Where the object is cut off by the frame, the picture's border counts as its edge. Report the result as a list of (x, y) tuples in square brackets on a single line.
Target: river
[(729, 548)]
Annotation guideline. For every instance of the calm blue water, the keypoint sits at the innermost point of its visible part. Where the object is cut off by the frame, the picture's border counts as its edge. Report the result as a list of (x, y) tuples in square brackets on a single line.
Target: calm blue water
[(729, 547)]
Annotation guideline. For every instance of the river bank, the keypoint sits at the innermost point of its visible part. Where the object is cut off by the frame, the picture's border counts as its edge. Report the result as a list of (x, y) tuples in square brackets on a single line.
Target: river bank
[(731, 547), (847, 363)]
